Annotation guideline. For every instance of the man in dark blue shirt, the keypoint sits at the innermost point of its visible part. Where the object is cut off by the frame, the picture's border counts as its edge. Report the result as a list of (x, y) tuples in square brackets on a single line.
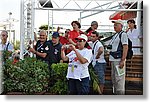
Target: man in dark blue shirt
[(55, 49), (42, 48), (54, 54)]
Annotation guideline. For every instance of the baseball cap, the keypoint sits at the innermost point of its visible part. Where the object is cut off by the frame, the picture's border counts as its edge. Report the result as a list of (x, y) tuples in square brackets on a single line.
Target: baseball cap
[(55, 34), (82, 37), (118, 22)]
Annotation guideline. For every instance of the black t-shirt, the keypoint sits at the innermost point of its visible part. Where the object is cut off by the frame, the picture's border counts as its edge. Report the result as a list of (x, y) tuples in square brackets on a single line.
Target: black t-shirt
[(42, 48), (55, 53)]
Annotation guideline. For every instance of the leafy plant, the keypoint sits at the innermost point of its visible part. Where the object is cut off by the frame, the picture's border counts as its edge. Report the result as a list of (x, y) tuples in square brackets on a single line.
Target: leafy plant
[(94, 80), (59, 74), (6, 55), (29, 76)]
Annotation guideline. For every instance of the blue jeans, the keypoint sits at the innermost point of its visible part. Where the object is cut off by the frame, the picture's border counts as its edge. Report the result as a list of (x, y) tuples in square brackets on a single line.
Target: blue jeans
[(77, 87), (100, 70)]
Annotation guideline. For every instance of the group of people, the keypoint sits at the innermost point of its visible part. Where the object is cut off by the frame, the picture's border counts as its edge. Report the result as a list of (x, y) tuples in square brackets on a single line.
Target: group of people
[(79, 49)]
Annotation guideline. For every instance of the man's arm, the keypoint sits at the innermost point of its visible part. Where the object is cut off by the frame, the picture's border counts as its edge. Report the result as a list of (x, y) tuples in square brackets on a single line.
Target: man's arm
[(100, 51), (43, 55), (70, 40), (63, 56), (125, 50)]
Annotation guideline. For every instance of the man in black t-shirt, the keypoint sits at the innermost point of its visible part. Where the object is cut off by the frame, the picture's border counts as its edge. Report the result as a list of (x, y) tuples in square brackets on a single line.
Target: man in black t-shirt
[(42, 48)]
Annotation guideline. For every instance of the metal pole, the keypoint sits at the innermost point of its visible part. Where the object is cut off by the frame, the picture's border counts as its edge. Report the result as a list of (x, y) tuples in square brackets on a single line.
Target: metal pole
[(10, 13), (60, 9), (52, 22), (21, 29), (79, 19), (48, 26), (32, 24), (139, 16)]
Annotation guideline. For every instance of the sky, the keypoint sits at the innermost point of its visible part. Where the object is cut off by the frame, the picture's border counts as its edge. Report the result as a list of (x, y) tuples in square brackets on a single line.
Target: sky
[(59, 17)]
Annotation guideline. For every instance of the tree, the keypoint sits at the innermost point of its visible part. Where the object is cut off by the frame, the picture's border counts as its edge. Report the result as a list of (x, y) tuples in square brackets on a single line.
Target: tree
[(45, 27)]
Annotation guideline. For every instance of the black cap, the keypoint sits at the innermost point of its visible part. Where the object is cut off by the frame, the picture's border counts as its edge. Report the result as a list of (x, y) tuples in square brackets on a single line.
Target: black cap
[(55, 34)]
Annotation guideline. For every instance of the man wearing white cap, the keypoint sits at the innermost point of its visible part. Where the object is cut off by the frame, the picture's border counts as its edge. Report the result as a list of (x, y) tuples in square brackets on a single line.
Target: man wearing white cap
[(118, 57), (79, 59)]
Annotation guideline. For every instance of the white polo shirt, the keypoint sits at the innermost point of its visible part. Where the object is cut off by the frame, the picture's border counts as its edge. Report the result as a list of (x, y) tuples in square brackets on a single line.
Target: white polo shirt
[(96, 48), (76, 70), (115, 42)]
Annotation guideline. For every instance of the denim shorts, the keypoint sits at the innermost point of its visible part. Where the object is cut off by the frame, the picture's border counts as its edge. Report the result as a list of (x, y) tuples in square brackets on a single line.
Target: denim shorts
[(100, 70)]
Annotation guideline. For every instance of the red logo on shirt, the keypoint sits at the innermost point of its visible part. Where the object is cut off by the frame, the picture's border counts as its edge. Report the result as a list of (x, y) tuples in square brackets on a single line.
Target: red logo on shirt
[(75, 59)]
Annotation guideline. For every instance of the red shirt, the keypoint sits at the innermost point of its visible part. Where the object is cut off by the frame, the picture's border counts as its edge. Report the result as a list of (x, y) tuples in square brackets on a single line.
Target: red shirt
[(63, 40), (74, 34), (89, 33)]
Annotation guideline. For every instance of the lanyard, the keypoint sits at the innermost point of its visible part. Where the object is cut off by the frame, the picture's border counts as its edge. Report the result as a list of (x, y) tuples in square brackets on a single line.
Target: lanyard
[(94, 47), (39, 47), (112, 41)]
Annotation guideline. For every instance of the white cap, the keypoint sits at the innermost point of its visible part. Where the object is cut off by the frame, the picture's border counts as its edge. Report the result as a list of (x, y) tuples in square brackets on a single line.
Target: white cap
[(118, 22), (82, 37)]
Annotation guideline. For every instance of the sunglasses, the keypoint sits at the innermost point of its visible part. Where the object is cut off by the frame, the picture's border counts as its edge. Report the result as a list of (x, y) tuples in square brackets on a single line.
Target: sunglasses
[(80, 40), (66, 32)]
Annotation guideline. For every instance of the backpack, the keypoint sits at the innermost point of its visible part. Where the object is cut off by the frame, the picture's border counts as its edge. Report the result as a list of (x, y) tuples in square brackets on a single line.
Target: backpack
[(130, 51)]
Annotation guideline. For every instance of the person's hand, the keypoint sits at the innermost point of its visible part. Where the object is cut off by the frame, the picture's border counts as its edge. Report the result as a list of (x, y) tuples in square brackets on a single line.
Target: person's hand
[(121, 64), (32, 50), (63, 48), (72, 47), (97, 57)]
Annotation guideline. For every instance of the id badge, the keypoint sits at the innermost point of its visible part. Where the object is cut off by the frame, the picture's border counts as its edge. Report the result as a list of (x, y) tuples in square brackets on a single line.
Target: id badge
[(72, 68)]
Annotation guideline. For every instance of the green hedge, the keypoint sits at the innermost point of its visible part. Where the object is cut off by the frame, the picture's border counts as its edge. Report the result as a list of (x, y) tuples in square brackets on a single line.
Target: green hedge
[(59, 74), (28, 76)]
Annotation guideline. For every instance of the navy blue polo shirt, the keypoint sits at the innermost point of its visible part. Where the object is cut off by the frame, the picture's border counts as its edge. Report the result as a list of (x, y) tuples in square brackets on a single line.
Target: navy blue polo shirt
[(54, 53)]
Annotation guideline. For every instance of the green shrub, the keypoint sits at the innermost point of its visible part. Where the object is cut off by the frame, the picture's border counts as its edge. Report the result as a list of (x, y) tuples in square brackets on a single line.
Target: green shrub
[(59, 74), (29, 76)]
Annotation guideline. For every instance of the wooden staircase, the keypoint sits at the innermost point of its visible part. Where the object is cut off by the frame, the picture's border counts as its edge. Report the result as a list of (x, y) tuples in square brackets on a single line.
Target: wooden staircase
[(134, 76), (134, 69)]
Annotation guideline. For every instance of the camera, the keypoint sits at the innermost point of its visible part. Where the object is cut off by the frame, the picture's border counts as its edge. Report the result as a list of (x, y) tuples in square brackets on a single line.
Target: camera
[(109, 47), (67, 46)]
